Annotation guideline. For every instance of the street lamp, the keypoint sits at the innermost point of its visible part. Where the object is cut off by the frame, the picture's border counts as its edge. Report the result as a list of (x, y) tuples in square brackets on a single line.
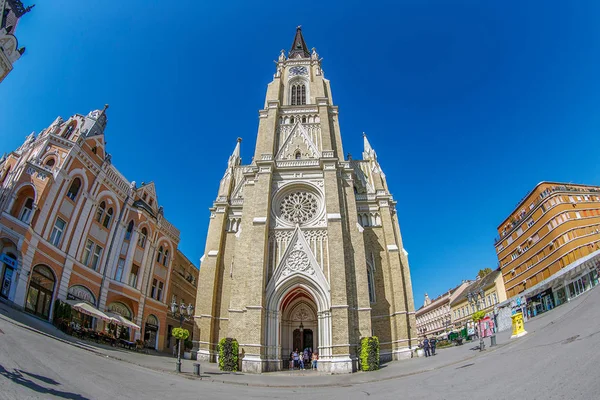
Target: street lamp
[(184, 313), (474, 299)]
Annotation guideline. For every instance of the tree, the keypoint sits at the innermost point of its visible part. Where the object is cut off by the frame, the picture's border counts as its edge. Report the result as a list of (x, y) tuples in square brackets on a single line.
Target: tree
[(484, 272)]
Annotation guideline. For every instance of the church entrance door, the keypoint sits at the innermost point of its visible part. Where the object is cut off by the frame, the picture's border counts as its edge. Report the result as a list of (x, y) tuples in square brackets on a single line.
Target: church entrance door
[(299, 323)]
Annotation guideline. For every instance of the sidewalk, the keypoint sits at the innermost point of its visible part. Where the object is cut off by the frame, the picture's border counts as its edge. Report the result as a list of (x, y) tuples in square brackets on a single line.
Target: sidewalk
[(165, 363)]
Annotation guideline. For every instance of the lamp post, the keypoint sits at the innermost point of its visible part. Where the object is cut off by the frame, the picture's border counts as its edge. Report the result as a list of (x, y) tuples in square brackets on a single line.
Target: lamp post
[(184, 313), (474, 298)]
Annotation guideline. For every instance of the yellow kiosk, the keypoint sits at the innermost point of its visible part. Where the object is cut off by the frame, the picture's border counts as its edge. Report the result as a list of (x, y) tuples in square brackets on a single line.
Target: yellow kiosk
[(518, 327)]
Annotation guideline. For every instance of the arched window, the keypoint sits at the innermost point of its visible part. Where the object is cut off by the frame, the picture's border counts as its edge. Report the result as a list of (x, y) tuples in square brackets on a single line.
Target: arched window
[(298, 155), (26, 211), (74, 189), (166, 257), (298, 94), (142, 238), (108, 217), (160, 254), (100, 212), (129, 231), (50, 163)]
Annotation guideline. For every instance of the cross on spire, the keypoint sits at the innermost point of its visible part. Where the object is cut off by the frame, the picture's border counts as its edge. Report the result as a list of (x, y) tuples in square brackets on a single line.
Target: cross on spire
[(299, 48)]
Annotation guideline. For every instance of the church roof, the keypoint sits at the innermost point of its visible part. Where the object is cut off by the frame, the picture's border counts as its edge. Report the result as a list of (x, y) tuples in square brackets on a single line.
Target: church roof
[(299, 48)]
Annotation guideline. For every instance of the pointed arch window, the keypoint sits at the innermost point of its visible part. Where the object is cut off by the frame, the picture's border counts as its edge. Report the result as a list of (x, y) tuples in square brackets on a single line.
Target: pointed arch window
[(108, 218), (69, 130), (166, 257), (142, 238), (160, 254), (74, 189), (298, 155), (100, 212), (129, 230), (298, 94)]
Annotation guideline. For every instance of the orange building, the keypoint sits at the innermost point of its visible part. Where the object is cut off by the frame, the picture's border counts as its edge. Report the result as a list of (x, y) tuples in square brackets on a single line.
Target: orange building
[(548, 247), (182, 290), (72, 227)]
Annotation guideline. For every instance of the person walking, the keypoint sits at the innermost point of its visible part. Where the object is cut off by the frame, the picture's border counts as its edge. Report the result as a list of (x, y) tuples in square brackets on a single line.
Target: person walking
[(315, 359), (296, 359), (426, 346), (432, 344)]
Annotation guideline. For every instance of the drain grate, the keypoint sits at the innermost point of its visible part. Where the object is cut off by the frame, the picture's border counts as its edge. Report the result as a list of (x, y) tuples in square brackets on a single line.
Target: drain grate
[(570, 340)]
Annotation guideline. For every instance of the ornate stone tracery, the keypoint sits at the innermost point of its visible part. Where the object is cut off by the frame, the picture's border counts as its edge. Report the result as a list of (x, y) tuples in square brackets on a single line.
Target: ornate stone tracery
[(299, 207)]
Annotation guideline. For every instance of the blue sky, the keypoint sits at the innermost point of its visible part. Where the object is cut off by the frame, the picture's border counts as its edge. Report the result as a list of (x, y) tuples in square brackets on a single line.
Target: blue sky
[(468, 104)]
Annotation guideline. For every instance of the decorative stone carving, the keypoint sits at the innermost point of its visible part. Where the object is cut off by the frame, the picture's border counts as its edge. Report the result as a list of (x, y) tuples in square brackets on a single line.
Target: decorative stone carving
[(298, 207), (298, 261)]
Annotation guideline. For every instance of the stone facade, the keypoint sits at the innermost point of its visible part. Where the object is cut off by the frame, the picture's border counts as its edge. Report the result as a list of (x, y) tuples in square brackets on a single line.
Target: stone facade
[(72, 227), (303, 247)]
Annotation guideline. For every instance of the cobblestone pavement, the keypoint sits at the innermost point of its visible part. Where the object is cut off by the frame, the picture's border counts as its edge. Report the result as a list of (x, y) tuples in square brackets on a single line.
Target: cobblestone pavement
[(556, 360)]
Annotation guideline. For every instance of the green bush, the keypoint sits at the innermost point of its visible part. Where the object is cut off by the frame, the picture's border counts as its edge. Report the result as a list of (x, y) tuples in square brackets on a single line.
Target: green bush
[(228, 354), (478, 315), (180, 333), (188, 344), (369, 353)]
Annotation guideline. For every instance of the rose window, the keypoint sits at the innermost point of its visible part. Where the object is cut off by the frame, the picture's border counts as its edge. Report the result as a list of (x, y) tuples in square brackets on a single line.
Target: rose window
[(299, 207), (297, 260)]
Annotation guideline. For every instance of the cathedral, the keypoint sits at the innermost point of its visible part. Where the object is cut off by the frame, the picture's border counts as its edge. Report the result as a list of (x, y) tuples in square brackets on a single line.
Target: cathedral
[(303, 247)]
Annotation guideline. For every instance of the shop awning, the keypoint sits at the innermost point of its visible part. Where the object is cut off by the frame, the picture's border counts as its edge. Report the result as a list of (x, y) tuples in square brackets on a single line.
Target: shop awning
[(88, 309), (120, 320)]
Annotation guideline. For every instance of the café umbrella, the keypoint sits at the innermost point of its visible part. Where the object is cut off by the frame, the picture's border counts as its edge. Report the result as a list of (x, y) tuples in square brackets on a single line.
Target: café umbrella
[(120, 320), (86, 308)]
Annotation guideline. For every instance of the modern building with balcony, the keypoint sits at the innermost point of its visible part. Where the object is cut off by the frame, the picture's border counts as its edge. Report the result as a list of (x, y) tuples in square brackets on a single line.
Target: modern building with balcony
[(549, 246)]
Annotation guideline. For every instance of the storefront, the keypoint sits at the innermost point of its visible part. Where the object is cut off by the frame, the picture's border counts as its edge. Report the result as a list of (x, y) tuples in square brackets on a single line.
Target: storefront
[(81, 293), (151, 332), (581, 283), (124, 315), (540, 303), (8, 265), (40, 291)]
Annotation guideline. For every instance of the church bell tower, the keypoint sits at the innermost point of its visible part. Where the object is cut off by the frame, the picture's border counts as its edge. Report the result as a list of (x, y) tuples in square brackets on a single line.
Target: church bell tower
[(303, 248)]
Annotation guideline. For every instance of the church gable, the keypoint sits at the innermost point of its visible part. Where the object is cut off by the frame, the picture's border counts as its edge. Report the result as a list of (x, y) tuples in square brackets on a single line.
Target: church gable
[(298, 260), (298, 145)]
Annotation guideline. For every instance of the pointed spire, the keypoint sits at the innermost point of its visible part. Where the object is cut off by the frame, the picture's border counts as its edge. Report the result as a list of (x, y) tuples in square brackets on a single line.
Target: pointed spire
[(368, 152), (299, 48), (235, 159)]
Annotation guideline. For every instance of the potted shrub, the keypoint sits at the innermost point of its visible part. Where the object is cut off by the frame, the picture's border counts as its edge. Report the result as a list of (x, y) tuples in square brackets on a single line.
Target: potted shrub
[(187, 346)]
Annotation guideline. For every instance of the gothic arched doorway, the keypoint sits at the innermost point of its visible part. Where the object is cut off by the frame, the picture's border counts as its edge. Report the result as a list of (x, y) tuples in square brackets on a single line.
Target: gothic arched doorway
[(299, 324)]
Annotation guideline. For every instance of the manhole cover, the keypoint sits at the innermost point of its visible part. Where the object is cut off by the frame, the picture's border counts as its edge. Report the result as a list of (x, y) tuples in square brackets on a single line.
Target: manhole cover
[(570, 340)]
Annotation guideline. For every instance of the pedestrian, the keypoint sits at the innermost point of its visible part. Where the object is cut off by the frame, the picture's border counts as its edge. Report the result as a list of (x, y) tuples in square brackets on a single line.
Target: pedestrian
[(291, 364), (426, 346), (432, 344), (315, 359), (295, 356)]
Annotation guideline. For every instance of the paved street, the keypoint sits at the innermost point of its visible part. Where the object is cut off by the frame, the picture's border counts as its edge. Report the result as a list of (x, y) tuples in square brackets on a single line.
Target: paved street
[(556, 360)]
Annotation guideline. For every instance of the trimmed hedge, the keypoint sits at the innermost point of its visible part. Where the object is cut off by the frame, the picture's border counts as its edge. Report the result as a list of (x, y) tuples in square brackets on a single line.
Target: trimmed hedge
[(228, 354), (369, 353)]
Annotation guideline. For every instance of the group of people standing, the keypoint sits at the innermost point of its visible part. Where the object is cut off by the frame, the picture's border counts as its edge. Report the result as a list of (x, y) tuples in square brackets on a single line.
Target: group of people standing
[(304, 359), (429, 346)]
